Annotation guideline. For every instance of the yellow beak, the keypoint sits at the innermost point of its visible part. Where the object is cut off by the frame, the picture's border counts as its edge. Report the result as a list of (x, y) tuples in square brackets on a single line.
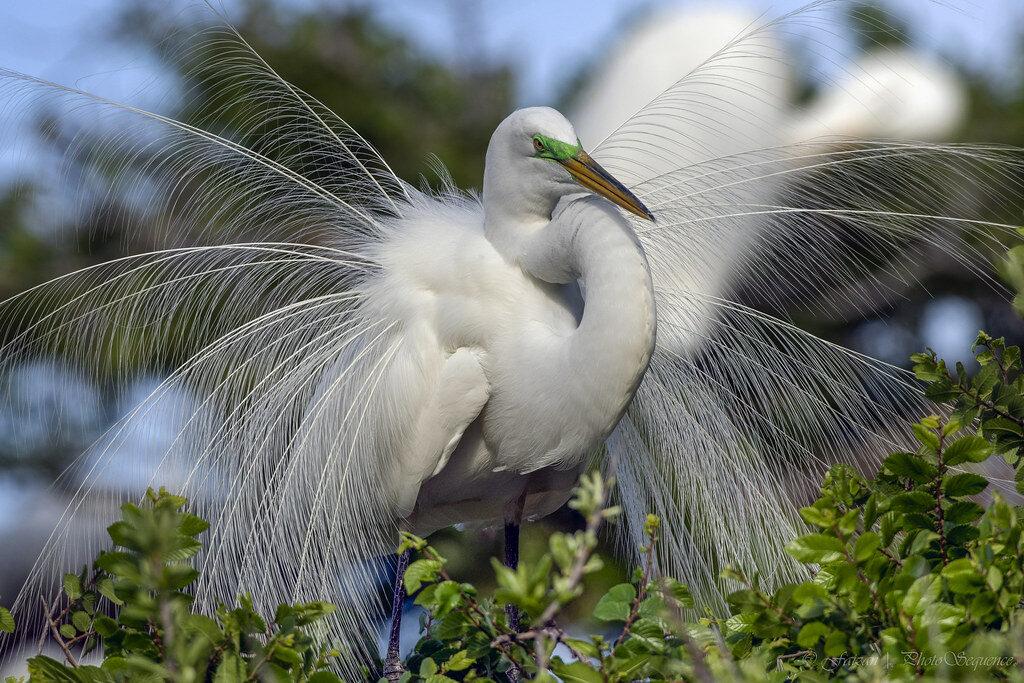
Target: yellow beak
[(592, 176)]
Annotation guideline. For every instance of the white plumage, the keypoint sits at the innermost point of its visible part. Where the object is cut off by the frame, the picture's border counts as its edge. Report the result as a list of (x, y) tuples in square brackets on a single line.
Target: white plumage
[(490, 336), (358, 355)]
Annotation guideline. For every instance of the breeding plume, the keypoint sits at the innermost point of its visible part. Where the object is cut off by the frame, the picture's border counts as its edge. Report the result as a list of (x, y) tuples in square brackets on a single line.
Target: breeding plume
[(360, 356)]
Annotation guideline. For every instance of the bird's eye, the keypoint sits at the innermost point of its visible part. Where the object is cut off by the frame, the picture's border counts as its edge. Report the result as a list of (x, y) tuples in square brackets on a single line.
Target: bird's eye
[(537, 144)]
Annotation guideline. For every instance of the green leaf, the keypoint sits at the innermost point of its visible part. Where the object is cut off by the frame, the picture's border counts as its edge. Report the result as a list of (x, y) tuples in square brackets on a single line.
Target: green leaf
[(67, 630), (817, 515), (910, 466), (231, 669), (421, 572), (42, 668), (105, 626), (922, 541), (815, 548), (584, 647), (576, 672), (963, 512), (324, 677), (962, 535), (616, 603), (6, 621), (192, 525), (866, 545), (81, 621), (441, 598), (460, 661), (811, 633), (928, 438), (967, 449), (106, 589), (912, 501), (965, 484), (72, 586), (835, 644), (678, 591), (962, 576), (428, 667)]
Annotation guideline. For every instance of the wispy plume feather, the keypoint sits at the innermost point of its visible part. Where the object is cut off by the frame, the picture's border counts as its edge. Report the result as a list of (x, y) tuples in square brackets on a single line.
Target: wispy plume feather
[(264, 215)]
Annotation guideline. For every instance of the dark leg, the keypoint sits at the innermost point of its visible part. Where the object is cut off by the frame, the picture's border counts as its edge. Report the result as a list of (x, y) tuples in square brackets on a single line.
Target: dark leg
[(393, 664), (512, 561)]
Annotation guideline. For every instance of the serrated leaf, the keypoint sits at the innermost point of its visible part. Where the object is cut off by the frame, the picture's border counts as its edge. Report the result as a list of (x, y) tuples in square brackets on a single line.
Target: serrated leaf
[(910, 466), (679, 591), (105, 626), (428, 667), (815, 548), (460, 661), (912, 501), (616, 603), (420, 572), (193, 525), (867, 543), (922, 541), (6, 621), (72, 586), (81, 621), (231, 669), (106, 589), (817, 516), (963, 512), (970, 448), (964, 484), (928, 438)]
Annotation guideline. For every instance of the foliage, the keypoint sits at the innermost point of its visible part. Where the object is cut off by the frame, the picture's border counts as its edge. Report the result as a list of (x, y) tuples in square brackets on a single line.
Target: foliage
[(909, 577), (408, 103), (134, 603)]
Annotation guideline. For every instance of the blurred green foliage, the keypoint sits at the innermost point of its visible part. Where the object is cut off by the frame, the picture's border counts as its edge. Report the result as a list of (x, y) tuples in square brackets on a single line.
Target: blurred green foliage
[(409, 104)]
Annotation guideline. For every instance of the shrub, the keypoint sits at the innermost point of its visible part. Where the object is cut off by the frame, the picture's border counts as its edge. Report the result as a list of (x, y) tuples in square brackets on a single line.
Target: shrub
[(910, 578), (134, 601)]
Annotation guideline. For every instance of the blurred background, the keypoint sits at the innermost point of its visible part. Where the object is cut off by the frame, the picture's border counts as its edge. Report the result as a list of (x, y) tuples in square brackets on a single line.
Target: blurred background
[(431, 78)]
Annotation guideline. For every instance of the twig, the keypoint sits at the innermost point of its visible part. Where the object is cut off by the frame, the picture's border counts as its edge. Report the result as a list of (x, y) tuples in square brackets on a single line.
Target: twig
[(701, 672), (575, 574), (42, 636), (56, 635), (641, 594), (940, 516)]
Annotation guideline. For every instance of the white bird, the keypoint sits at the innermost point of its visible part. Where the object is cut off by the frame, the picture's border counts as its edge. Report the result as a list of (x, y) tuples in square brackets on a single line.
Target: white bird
[(360, 356), (890, 93)]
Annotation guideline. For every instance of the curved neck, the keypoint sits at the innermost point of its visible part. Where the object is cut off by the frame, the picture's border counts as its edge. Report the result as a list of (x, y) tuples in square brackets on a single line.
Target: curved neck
[(615, 338), (610, 349)]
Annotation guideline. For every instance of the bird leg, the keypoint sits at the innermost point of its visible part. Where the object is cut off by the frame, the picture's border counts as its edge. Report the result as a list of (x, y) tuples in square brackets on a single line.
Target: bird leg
[(512, 561), (513, 518), (512, 523), (392, 663)]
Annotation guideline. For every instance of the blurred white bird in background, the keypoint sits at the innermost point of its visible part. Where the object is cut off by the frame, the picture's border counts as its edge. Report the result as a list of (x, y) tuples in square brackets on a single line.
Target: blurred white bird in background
[(891, 92), (364, 356)]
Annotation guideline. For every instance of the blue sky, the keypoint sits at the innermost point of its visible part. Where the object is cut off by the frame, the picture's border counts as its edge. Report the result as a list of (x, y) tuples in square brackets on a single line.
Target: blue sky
[(67, 40)]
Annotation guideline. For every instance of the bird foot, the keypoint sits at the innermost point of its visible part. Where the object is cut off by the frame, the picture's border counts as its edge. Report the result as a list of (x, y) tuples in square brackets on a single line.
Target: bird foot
[(393, 669)]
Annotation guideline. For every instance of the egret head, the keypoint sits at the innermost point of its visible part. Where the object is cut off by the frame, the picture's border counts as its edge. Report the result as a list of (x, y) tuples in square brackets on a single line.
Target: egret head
[(535, 157)]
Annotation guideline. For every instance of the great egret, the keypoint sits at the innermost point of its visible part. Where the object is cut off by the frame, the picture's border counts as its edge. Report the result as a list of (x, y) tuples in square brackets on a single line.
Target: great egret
[(892, 92), (371, 355)]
